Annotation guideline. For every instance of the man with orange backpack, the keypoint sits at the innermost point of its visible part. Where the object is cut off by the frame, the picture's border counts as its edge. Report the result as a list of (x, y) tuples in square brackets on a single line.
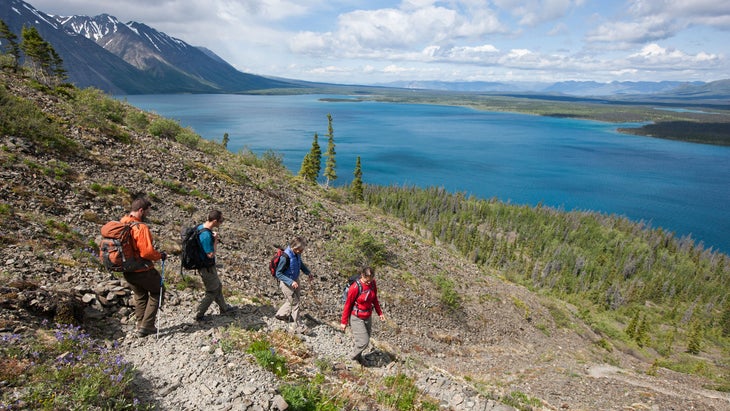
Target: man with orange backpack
[(146, 280)]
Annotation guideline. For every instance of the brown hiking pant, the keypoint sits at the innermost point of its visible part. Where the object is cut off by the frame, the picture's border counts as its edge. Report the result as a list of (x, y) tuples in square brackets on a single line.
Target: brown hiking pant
[(146, 288)]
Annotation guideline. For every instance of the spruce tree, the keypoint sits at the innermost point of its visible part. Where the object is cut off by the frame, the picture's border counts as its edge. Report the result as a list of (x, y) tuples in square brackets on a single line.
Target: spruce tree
[(305, 170), (226, 139), (10, 47), (329, 169), (694, 339), (356, 189), (312, 162), (316, 156), (725, 321), (44, 63)]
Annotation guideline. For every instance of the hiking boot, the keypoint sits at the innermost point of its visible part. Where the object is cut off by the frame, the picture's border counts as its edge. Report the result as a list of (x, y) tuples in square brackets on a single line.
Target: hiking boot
[(285, 318), (301, 329), (200, 318), (143, 332), (231, 310)]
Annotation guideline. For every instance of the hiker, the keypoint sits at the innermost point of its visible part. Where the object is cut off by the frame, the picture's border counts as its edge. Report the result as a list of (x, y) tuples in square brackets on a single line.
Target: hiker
[(358, 310), (145, 282), (287, 272), (213, 287)]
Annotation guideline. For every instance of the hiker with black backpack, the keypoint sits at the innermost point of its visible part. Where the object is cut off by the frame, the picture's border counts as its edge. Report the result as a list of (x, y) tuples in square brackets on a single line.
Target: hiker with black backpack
[(362, 298), (145, 281), (287, 272), (208, 272)]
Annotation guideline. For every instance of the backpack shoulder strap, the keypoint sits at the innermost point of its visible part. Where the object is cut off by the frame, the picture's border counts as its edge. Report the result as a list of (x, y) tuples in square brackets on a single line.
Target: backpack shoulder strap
[(286, 260), (359, 288)]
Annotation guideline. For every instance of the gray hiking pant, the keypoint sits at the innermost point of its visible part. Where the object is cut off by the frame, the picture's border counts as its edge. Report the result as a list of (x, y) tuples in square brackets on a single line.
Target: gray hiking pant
[(361, 330), (213, 290)]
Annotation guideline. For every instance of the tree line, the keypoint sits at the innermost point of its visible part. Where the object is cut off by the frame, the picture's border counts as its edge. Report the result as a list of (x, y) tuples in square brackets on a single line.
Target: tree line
[(32, 53)]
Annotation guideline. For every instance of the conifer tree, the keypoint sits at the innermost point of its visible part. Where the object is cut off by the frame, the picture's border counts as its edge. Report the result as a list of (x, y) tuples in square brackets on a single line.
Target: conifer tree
[(694, 339), (632, 328), (312, 162), (725, 321), (642, 332), (329, 169), (356, 189), (44, 63), (226, 139), (316, 154), (11, 47)]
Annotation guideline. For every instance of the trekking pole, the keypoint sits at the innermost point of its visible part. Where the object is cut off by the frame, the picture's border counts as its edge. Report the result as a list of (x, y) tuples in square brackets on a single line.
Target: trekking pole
[(159, 302)]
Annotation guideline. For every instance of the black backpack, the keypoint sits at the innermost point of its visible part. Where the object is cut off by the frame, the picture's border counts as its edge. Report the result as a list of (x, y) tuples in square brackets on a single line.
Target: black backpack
[(355, 278), (192, 256)]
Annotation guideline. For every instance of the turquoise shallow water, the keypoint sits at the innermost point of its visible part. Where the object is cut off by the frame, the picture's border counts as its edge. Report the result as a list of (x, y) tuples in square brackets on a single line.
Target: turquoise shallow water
[(523, 159)]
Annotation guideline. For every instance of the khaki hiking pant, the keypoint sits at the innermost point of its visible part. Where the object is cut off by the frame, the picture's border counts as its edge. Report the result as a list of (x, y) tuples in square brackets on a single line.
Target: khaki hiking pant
[(213, 291), (291, 302)]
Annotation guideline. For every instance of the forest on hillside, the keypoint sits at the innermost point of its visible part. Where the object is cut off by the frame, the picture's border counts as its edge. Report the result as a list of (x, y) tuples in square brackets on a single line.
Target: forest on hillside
[(629, 281)]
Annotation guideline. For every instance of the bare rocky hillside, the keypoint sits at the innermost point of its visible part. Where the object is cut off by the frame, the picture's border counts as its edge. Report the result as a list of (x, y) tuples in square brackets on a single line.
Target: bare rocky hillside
[(500, 340)]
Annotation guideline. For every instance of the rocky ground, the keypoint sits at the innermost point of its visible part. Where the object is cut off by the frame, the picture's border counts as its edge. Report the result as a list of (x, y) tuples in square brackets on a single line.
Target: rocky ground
[(500, 340)]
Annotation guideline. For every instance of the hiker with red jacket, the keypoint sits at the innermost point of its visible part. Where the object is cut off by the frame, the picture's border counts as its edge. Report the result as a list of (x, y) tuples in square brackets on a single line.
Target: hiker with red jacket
[(362, 298), (145, 281)]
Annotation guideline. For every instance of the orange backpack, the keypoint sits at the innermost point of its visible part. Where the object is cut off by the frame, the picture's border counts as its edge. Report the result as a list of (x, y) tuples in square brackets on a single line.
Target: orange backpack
[(117, 251)]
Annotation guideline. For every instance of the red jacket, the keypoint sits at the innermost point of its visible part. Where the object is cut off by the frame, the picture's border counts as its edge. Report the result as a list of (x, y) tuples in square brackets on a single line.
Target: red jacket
[(361, 305)]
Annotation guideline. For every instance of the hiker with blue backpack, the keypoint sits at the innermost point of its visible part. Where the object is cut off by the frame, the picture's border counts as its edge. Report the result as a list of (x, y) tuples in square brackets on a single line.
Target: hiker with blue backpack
[(287, 272), (361, 300)]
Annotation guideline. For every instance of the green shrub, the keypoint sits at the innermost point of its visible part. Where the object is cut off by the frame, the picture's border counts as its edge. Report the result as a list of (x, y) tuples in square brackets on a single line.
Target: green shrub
[(309, 396), (94, 108), (449, 297), (267, 358), (164, 128), (188, 137), (137, 120), (400, 393)]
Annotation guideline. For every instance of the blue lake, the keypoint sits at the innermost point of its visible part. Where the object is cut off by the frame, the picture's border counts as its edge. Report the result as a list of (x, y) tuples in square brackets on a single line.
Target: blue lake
[(521, 159)]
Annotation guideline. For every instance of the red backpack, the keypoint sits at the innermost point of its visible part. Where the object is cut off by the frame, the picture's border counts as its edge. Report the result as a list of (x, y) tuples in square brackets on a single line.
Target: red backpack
[(275, 261)]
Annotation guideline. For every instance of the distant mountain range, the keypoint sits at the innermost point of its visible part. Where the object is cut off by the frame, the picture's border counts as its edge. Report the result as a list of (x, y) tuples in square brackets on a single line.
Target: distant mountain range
[(133, 58), (617, 89)]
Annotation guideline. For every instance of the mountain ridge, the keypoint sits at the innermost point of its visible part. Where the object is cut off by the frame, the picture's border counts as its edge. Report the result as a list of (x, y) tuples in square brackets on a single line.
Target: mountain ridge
[(131, 58)]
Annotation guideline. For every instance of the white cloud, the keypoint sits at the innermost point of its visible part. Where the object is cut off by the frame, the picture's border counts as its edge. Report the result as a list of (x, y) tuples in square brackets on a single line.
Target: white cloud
[(654, 55), (647, 29)]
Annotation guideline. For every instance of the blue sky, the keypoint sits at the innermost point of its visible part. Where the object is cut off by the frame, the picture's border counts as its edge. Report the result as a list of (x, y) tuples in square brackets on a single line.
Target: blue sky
[(378, 41)]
